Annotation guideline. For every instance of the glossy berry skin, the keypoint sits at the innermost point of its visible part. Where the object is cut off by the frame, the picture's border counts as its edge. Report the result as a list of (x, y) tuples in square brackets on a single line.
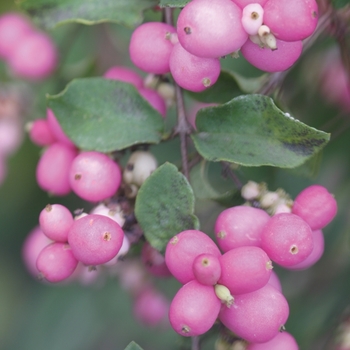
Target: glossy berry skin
[(274, 281), (194, 309), (252, 18), (94, 176), (282, 340), (269, 60), (35, 57), (287, 239), (191, 72), (40, 133), (207, 269), (125, 74), (150, 47), (56, 262), (211, 29), (240, 226), (95, 239), (55, 221), (258, 316), (316, 206), (182, 250), (53, 169), (291, 20), (243, 3), (245, 269)]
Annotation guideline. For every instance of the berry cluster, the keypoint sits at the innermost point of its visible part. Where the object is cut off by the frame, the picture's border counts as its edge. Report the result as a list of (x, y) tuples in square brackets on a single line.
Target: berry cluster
[(29, 53), (269, 34), (241, 278)]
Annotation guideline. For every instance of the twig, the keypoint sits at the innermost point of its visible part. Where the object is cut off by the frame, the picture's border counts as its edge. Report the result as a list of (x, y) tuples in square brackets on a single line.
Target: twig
[(229, 173), (195, 343)]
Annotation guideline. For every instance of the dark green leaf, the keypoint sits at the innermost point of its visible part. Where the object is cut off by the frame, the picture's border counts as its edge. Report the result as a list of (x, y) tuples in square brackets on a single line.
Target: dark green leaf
[(228, 86), (165, 206), (133, 346), (173, 3), (340, 3), (250, 130), (105, 115), (50, 13)]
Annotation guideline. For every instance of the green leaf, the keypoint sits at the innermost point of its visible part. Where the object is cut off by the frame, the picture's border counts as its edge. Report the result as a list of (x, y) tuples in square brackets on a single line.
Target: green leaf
[(340, 3), (50, 13), (133, 346), (173, 3), (250, 130), (165, 206), (105, 115), (228, 85)]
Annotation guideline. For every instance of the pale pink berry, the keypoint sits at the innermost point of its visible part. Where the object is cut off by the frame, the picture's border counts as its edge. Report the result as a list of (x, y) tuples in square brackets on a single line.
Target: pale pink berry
[(258, 316), (34, 243), (211, 29), (150, 47), (291, 20), (243, 3), (53, 169), (154, 261), (154, 99), (316, 206), (121, 254), (287, 239), (315, 255), (252, 18), (56, 129), (269, 60), (55, 221), (182, 250), (240, 226), (194, 309), (191, 72), (245, 269), (94, 176), (11, 135), (282, 340), (40, 133), (274, 281), (13, 27), (95, 239), (207, 269), (151, 308), (56, 262), (34, 57), (125, 74), (112, 210)]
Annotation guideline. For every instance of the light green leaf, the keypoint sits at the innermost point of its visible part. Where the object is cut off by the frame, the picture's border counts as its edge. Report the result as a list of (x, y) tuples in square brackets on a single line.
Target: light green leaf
[(173, 3), (133, 346), (105, 115)]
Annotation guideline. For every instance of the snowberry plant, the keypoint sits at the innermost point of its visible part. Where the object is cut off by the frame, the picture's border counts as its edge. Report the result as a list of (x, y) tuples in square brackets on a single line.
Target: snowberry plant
[(165, 195)]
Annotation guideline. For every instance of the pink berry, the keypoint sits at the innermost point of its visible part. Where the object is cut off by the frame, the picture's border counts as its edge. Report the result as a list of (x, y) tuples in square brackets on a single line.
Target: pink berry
[(182, 250), (94, 176), (53, 169), (207, 269), (11, 135), (269, 60), (211, 29), (240, 226), (275, 282), (40, 133), (191, 72), (95, 239), (287, 239), (151, 307), (56, 129), (34, 243), (154, 99), (56, 262), (13, 27), (291, 20), (150, 47), (244, 3), (282, 340), (125, 74), (154, 261), (258, 316), (316, 206), (245, 269), (35, 57), (194, 309), (55, 221), (252, 18)]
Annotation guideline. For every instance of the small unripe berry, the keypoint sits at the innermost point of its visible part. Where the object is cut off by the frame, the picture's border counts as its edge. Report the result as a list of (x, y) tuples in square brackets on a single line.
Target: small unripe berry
[(207, 269)]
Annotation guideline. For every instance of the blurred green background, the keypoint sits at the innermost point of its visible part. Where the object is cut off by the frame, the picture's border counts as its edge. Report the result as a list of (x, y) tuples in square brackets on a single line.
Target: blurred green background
[(38, 316)]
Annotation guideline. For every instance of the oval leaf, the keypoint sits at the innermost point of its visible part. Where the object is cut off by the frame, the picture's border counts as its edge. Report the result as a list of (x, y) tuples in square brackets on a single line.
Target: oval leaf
[(50, 13), (133, 346), (105, 115), (165, 206), (250, 130)]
